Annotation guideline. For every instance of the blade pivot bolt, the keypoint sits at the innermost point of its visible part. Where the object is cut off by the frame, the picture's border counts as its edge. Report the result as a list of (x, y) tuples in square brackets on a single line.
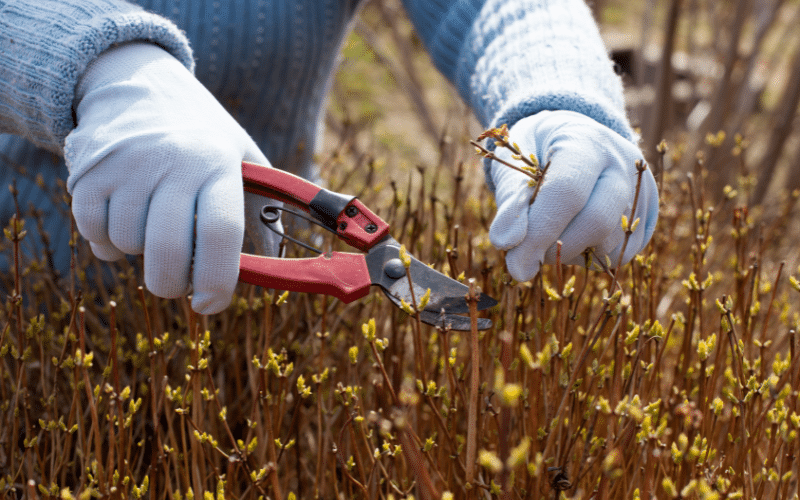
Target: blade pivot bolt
[(394, 268)]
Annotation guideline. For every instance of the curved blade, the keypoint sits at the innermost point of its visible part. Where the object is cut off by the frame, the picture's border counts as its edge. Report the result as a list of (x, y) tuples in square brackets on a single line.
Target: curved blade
[(448, 295), (444, 320), (453, 322)]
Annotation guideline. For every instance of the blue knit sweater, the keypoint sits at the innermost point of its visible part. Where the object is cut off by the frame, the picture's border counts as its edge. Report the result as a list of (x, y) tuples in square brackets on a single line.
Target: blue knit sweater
[(270, 62)]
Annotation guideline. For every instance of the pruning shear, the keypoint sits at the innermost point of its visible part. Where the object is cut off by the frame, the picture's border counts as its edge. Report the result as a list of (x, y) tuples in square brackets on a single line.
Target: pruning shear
[(349, 276)]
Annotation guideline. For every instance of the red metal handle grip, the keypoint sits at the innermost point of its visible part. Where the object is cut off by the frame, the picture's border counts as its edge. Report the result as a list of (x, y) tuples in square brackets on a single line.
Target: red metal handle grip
[(278, 185), (342, 275), (352, 221)]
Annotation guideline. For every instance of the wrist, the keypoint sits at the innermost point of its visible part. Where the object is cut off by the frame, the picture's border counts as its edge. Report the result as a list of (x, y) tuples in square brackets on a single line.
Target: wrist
[(122, 62)]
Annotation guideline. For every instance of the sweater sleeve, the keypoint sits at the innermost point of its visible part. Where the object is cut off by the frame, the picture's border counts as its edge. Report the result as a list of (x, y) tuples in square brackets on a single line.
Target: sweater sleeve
[(513, 58), (45, 47)]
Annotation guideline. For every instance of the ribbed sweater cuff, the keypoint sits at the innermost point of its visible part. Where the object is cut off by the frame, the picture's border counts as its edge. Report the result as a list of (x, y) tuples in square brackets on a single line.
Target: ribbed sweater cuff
[(45, 47)]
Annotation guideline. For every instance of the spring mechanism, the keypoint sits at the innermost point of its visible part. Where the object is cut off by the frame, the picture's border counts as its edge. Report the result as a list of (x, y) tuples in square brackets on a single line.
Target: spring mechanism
[(271, 214)]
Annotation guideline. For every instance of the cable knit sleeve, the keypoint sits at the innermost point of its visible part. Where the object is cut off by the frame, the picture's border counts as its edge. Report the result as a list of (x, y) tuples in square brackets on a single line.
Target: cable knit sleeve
[(46, 45), (513, 58)]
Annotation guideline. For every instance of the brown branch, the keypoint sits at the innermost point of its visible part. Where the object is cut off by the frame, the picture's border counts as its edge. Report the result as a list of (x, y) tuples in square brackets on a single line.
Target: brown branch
[(663, 101), (781, 121)]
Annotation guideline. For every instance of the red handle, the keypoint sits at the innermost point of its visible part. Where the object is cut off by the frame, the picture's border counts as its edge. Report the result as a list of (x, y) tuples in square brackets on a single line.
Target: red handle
[(279, 185), (342, 275), (353, 222)]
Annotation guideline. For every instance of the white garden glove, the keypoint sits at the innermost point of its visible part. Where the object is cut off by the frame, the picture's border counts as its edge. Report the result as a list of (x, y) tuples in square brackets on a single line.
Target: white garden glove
[(589, 186), (155, 169)]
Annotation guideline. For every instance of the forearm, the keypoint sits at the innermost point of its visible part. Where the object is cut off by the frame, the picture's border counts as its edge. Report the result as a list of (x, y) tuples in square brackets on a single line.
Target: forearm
[(45, 47), (513, 58)]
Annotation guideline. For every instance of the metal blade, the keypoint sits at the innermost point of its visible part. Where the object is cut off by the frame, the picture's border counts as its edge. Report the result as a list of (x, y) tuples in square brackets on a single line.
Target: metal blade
[(453, 322), (444, 320), (387, 271)]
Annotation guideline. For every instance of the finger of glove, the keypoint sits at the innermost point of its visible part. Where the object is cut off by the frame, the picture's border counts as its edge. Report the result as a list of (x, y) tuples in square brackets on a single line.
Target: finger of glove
[(597, 225), (265, 241), (168, 242), (90, 209), (107, 252), (651, 207), (127, 217), (612, 245), (523, 263), (510, 224), (219, 234), (512, 195)]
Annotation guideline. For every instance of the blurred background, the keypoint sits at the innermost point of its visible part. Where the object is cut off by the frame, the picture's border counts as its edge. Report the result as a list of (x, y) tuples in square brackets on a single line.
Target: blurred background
[(697, 74)]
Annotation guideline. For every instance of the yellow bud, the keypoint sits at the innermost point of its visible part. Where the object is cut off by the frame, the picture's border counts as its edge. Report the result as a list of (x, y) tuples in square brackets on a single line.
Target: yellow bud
[(353, 353), (490, 461), (669, 487), (425, 299), (368, 329), (405, 258), (511, 394), (519, 454)]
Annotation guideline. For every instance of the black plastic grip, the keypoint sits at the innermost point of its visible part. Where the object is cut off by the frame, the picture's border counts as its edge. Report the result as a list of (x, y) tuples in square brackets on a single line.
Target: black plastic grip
[(327, 205)]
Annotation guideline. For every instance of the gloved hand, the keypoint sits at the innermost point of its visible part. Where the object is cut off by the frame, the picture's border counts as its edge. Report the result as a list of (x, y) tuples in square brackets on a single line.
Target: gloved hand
[(589, 186), (155, 168)]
